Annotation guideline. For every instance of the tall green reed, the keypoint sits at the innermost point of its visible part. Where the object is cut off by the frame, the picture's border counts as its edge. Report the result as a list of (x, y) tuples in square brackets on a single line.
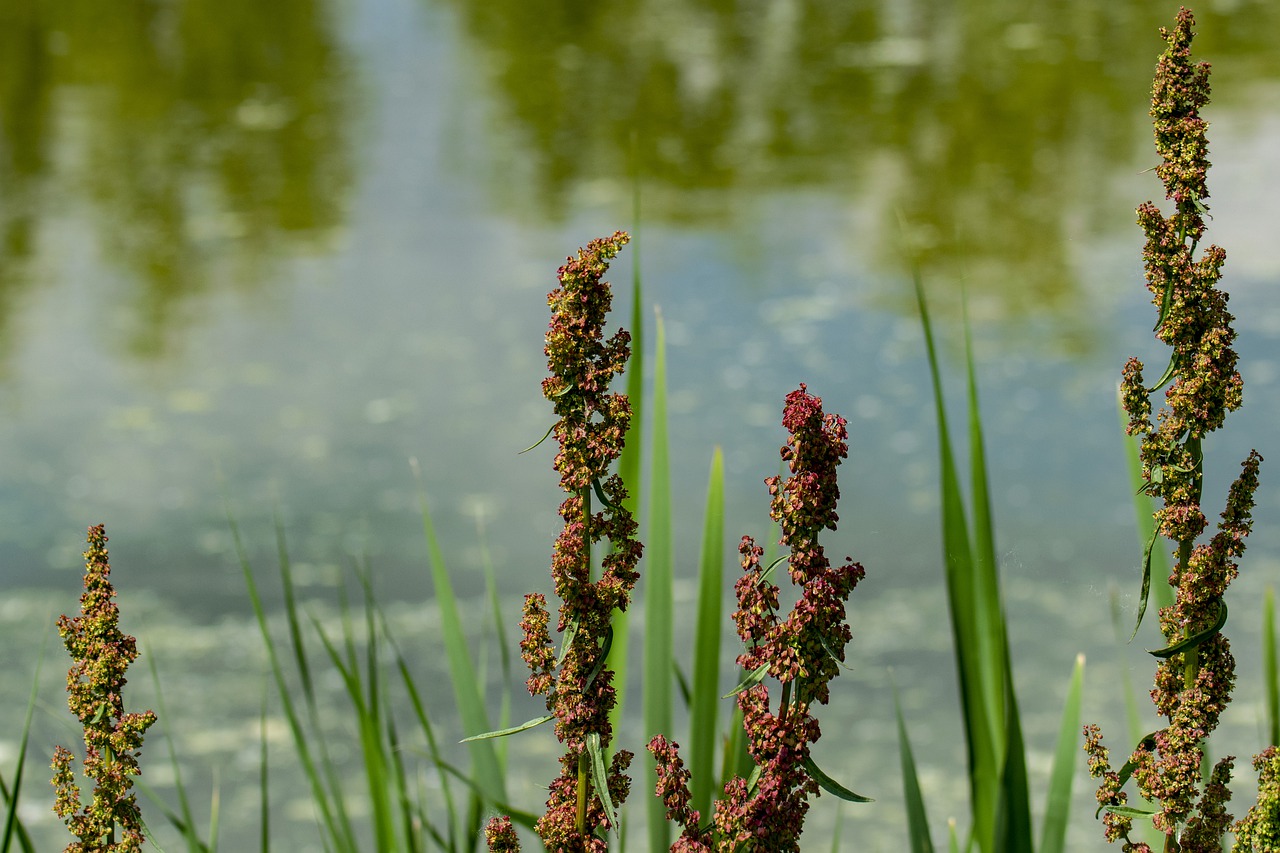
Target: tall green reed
[(999, 788)]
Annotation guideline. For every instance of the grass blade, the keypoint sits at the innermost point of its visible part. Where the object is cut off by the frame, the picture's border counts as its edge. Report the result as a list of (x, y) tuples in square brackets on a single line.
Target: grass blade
[(333, 819), (659, 595), (706, 647), (977, 701), (466, 687), (264, 796), (12, 823), (917, 817), (1057, 807), (1269, 669)]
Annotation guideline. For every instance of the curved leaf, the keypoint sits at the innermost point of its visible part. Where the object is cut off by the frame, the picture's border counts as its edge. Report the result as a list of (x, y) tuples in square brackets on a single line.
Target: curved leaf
[(831, 786), (1195, 639), (539, 441)]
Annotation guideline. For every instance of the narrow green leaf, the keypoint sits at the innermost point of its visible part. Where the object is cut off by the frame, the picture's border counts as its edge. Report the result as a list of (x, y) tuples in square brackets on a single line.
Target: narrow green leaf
[(1269, 668), (567, 638), (764, 576), (600, 779), (539, 441), (1126, 769), (604, 499), (1128, 811), (682, 684), (706, 644), (525, 726), (917, 817), (317, 772), (264, 788), (1057, 809), (972, 628), (13, 825), (1146, 580), (831, 786), (601, 658), (466, 688), (835, 656), (1168, 374), (752, 678), (1166, 303), (1195, 639), (659, 595)]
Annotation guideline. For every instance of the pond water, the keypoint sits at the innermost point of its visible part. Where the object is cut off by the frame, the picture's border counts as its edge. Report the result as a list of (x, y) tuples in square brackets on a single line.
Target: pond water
[(254, 257)]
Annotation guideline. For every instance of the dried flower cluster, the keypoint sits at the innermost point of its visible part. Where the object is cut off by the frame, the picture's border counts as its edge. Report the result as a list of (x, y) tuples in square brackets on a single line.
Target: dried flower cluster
[(100, 654), (591, 427), (803, 652), (1196, 672)]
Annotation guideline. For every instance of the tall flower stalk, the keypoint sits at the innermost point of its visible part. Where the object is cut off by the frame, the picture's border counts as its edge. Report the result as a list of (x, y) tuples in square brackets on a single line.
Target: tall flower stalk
[(1196, 672), (802, 652), (592, 423), (100, 654)]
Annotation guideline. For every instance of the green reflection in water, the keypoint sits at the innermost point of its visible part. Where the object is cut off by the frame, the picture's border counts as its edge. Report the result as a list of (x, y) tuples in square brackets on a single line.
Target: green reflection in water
[(997, 129), (210, 137)]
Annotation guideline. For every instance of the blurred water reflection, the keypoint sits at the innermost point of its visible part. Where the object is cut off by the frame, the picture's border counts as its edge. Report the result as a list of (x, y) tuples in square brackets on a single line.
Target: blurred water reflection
[(211, 139), (263, 253)]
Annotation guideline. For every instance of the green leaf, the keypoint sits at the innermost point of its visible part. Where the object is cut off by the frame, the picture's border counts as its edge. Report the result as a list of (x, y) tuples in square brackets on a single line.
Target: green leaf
[(1057, 810), (604, 499), (1166, 303), (1196, 639), (600, 779), (1146, 579), (1129, 811), (466, 685), (1269, 668), (764, 576), (600, 658), (831, 786), (659, 595), (917, 817), (1169, 373), (706, 645), (525, 726), (752, 678), (539, 441)]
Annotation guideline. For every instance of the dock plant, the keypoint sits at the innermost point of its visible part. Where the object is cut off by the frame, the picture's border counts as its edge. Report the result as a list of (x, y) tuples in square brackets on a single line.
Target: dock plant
[(803, 652), (100, 654), (1196, 671), (592, 423)]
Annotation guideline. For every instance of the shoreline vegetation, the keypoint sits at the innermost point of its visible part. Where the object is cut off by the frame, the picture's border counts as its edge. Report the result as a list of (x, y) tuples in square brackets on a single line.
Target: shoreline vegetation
[(743, 776)]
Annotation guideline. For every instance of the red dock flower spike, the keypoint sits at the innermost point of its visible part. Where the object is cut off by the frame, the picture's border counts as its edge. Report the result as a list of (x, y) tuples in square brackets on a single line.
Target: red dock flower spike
[(803, 652), (592, 424), (1196, 672), (100, 654)]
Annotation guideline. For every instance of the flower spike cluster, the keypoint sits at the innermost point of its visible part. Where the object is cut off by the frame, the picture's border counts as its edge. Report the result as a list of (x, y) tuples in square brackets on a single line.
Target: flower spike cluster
[(592, 424), (1196, 672), (100, 654), (803, 652)]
